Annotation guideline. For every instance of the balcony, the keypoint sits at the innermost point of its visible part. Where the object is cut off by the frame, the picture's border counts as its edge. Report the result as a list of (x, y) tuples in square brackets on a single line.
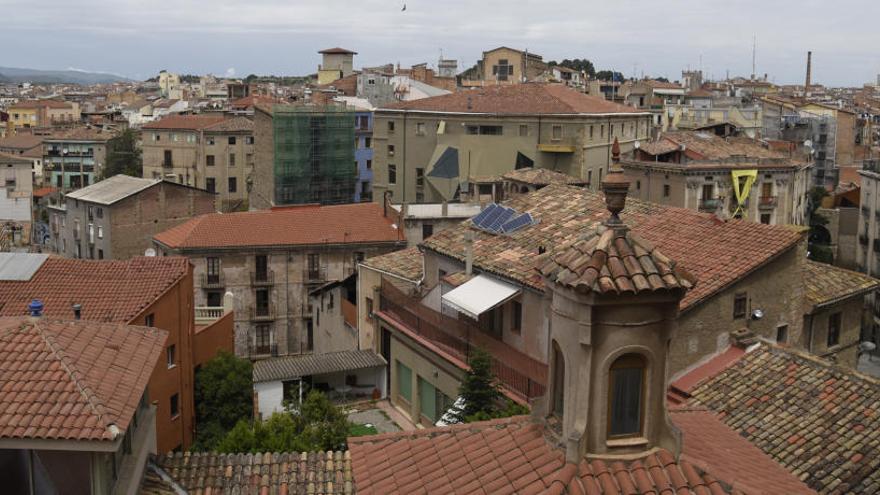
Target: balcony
[(263, 313), (262, 278), (522, 375), (863, 239), (167, 164), (208, 314), (215, 280), (876, 244), (315, 275), (767, 202), (710, 205), (256, 351)]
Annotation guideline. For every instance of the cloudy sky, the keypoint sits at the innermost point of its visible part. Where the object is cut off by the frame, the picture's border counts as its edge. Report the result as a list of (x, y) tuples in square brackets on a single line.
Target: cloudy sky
[(137, 38)]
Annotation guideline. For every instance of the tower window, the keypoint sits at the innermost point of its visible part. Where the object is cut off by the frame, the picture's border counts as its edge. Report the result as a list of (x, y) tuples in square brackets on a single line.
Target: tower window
[(626, 392)]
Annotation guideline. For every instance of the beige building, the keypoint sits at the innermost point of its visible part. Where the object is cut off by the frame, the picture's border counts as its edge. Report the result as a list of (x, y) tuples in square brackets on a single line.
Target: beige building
[(271, 259), (431, 150), (43, 114), (509, 65), (336, 63), (731, 177), (208, 152), (16, 201)]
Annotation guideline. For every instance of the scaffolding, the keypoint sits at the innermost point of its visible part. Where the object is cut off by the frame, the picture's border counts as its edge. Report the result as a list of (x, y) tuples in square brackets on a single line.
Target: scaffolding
[(314, 155)]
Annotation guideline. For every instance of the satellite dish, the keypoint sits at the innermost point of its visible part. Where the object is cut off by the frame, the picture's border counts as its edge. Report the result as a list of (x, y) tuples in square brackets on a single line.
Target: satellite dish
[(150, 252)]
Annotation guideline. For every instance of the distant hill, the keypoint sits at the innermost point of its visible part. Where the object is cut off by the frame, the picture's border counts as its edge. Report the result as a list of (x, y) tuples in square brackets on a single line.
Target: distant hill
[(18, 75)]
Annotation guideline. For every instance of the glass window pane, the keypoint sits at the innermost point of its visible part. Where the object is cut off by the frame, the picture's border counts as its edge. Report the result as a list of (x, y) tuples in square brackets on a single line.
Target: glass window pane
[(404, 382), (626, 396), (427, 400)]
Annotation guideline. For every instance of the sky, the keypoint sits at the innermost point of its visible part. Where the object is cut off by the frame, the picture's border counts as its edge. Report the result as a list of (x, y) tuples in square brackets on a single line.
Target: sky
[(136, 38)]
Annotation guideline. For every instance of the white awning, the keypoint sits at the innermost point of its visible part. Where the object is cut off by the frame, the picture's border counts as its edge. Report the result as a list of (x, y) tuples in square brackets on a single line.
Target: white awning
[(480, 294)]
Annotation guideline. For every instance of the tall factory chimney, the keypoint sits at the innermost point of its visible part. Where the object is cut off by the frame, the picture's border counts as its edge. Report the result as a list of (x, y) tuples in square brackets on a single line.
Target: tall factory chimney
[(809, 74)]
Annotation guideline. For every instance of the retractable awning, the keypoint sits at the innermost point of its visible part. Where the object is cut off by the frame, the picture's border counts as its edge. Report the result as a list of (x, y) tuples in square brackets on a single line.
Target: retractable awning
[(480, 294)]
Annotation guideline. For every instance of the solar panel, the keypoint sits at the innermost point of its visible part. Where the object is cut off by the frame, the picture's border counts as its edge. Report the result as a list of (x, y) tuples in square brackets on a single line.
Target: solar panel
[(517, 223), (491, 217), (483, 214), (505, 215)]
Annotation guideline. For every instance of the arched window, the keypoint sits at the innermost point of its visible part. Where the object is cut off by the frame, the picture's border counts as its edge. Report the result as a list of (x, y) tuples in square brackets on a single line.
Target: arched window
[(626, 396), (558, 380)]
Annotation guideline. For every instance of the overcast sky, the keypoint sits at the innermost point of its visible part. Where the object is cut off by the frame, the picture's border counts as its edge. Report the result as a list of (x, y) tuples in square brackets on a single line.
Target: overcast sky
[(137, 38)]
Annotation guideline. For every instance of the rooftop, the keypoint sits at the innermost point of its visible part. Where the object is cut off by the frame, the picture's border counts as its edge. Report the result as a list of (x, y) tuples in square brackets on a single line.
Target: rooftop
[(113, 189), (235, 124), (708, 146), (337, 51), (827, 284), (406, 264), (7, 158), (185, 122), (292, 367), (516, 99), (435, 210), (72, 380), (715, 252), (81, 134), (41, 104), (357, 223), (110, 291), (542, 177), (21, 141)]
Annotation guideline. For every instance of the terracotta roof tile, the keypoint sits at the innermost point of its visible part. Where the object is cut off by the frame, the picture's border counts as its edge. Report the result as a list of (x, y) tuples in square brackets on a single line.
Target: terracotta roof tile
[(185, 122), (21, 141), (41, 104), (542, 177), (827, 284), (819, 421), (81, 376), (112, 291), (283, 226), (407, 263), (529, 98), (235, 124), (80, 134)]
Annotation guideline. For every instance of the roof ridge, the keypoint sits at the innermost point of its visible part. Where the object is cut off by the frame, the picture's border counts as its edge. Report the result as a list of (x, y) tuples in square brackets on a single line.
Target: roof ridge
[(94, 402), (772, 347)]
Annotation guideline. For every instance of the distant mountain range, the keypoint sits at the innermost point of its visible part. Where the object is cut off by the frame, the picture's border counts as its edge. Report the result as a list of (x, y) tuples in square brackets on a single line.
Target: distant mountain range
[(18, 75)]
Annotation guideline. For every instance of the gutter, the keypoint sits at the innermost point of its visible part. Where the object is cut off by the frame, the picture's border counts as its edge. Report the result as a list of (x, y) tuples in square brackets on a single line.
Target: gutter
[(498, 114)]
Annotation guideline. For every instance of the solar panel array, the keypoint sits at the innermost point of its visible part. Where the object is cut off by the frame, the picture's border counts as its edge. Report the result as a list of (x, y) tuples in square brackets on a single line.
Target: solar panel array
[(498, 219)]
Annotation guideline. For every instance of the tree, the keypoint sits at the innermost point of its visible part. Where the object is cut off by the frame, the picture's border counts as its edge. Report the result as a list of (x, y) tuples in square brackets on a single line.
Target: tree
[(123, 156), (224, 397), (607, 75), (819, 239), (478, 390)]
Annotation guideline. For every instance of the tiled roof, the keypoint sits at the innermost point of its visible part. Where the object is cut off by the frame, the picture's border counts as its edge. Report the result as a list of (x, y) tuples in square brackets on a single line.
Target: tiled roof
[(660, 147), (506, 456), (112, 189), (613, 260), (337, 51), (711, 147), (114, 291), (517, 99), (81, 134), (44, 191), (185, 122), (820, 421), (407, 263), (542, 177), (715, 252), (21, 141), (661, 84), (6, 158), (286, 226), (291, 367), (827, 284), (235, 124), (709, 444), (72, 380), (40, 104), (312, 473)]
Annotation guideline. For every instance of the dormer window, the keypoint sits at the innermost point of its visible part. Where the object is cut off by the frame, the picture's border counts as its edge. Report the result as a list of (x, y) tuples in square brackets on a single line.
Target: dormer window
[(626, 396)]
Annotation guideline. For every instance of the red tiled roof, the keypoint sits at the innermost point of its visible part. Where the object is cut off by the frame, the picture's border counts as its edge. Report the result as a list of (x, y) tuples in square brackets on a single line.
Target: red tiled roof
[(252, 100), (21, 141), (185, 122), (81, 134), (235, 124), (542, 177), (44, 191), (72, 380), (529, 98), (41, 104), (284, 226), (112, 291)]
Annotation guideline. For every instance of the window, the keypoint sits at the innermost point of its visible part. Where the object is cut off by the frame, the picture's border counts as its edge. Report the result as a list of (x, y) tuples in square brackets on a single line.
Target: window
[(248, 140), (427, 230), (233, 184), (368, 142), (175, 406), (638, 185), (231, 139), (420, 128), (157, 137), (765, 218), (261, 302), (369, 164), (232, 159), (210, 184), (666, 190), (100, 254), (487, 130), (263, 338), (420, 177), (404, 382), (782, 334), (170, 358), (209, 160), (150, 320), (314, 267), (99, 212), (390, 150), (167, 159), (833, 330), (708, 192), (517, 316), (100, 232), (213, 270), (591, 132), (625, 396), (392, 174), (556, 133), (390, 126), (261, 265), (432, 403), (739, 305), (523, 130), (210, 141), (558, 381)]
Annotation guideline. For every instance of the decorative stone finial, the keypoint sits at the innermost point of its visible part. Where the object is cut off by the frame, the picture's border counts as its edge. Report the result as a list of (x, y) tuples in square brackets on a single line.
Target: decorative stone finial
[(615, 186)]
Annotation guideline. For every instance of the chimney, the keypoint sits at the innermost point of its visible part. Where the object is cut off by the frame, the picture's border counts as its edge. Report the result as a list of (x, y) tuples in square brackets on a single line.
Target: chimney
[(77, 311), (615, 186), (35, 308), (468, 252), (809, 74), (444, 209)]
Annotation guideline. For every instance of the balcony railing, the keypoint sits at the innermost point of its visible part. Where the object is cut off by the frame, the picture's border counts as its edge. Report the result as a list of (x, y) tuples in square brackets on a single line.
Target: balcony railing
[(263, 313), (263, 278), (315, 274), (519, 373), (207, 314), (167, 164), (213, 280), (262, 350), (710, 204), (767, 202)]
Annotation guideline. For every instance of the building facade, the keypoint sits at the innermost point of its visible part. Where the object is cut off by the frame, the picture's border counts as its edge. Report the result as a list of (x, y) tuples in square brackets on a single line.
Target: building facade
[(43, 114), (363, 155), (74, 159), (16, 201)]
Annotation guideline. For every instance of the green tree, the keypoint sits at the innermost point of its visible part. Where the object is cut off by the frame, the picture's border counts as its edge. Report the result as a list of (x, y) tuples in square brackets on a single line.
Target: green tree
[(819, 239), (607, 75), (123, 156), (478, 391), (224, 397)]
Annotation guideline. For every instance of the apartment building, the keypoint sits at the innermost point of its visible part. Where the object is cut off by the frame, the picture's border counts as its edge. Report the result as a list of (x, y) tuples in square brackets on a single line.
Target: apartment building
[(205, 151), (16, 201), (336, 63), (734, 177), (146, 291), (470, 286), (271, 259), (431, 150), (117, 218), (868, 250), (363, 155), (509, 65), (29, 114), (74, 158)]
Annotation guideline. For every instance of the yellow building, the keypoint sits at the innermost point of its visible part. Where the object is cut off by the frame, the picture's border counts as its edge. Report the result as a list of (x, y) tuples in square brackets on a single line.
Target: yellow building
[(336, 63), (505, 64), (43, 113)]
